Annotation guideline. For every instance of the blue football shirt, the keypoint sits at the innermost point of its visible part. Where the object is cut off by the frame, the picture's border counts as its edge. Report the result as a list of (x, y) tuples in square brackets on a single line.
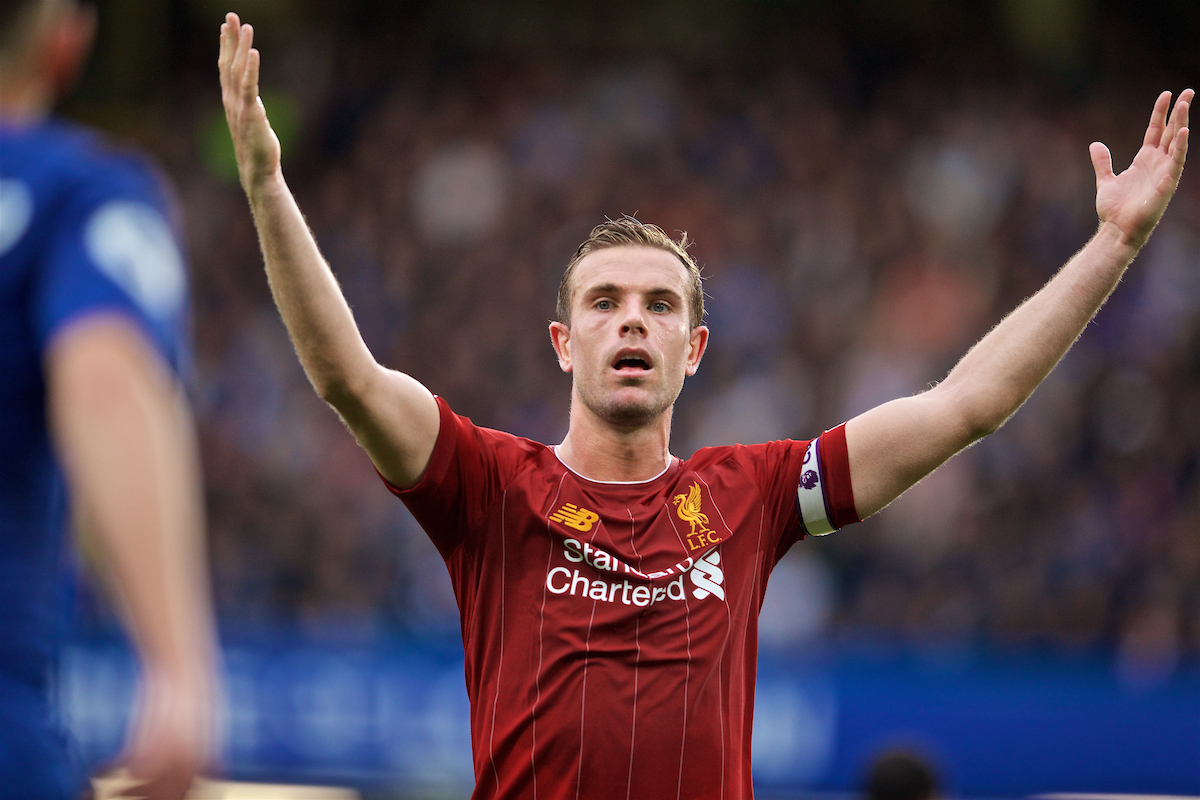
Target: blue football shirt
[(84, 229)]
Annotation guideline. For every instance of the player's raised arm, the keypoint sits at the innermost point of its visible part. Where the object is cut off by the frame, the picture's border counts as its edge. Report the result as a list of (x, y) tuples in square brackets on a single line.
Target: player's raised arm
[(393, 416), (895, 445)]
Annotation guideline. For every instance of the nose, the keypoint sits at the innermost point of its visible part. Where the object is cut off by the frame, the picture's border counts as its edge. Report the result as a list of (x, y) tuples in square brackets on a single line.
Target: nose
[(634, 321)]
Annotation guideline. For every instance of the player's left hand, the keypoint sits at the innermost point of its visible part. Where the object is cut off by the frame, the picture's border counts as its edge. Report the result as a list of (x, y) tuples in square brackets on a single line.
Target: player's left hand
[(1135, 200), (170, 741), (254, 142)]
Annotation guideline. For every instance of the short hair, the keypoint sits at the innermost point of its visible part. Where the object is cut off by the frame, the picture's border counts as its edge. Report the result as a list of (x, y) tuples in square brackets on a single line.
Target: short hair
[(627, 231)]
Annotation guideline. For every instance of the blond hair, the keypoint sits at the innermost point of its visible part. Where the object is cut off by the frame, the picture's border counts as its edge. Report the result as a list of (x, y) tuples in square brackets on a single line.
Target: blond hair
[(627, 231)]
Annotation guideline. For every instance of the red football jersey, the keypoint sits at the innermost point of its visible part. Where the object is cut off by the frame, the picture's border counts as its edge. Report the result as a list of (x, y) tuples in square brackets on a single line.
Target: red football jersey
[(611, 629)]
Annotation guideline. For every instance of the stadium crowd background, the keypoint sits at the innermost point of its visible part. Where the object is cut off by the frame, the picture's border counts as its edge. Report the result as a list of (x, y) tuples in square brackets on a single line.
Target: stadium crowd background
[(870, 186)]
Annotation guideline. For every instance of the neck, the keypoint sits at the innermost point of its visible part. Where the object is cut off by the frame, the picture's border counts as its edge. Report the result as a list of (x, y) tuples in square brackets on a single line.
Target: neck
[(23, 103), (600, 451)]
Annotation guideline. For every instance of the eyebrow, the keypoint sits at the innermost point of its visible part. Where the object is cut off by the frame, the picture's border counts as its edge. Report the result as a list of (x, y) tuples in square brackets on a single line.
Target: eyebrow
[(612, 288)]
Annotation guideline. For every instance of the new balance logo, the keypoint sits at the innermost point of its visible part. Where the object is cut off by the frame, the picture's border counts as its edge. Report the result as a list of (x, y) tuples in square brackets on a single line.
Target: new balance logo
[(708, 577), (578, 518)]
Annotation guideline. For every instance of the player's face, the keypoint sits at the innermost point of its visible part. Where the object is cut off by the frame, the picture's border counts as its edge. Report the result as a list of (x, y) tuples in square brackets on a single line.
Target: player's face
[(630, 343)]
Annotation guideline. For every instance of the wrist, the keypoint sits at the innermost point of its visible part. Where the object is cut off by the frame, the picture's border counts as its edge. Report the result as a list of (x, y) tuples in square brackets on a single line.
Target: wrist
[(265, 186), (195, 669), (1111, 233)]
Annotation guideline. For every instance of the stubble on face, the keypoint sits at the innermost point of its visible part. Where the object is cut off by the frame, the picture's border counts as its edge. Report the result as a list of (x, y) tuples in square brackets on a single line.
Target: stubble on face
[(634, 401), (627, 413)]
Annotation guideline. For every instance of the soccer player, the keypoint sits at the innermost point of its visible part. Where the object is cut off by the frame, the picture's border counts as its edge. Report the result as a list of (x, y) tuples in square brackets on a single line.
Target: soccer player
[(609, 591), (92, 310)]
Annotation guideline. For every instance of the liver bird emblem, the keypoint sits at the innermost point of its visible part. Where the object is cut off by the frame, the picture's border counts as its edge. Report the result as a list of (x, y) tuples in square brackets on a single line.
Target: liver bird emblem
[(689, 510)]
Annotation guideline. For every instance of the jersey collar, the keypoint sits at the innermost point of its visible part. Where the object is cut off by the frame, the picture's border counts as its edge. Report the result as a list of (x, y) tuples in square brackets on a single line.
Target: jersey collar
[(674, 460)]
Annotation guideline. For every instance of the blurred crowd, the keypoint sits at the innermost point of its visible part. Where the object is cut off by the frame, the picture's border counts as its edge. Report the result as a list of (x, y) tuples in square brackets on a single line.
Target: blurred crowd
[(854, 248)]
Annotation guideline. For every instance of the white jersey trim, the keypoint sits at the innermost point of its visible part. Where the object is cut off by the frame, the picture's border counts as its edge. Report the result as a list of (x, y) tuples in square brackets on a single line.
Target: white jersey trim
[(810, 495), (670, 464)]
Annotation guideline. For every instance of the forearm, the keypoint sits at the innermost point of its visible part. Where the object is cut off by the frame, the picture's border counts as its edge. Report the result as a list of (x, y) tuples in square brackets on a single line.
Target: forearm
[(125, 437), (894, 445), (309, 299), (1000, 373), (393, 416)]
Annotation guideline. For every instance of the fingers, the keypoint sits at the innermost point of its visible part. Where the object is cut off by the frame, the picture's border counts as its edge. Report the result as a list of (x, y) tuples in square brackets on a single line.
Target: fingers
[(250, 82), (170, 786), (223, 52), (1101, 161), (1158, 120), (229, 36), (164, 768), (1178, 119), (238, 61), (238, 66), (1179, 149)]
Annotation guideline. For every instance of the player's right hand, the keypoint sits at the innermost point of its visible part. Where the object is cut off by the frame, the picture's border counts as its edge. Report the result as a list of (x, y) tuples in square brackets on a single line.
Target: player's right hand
[(171, 738), (255, 143)]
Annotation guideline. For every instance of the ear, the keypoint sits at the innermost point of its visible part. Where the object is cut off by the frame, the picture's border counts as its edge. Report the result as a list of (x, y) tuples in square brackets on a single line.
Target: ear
[(560, 337), (696, 346), (69, 45)]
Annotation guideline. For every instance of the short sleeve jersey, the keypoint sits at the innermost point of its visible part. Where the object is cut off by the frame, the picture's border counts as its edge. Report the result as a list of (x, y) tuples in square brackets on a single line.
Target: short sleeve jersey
[(610, 629), (83, 230)]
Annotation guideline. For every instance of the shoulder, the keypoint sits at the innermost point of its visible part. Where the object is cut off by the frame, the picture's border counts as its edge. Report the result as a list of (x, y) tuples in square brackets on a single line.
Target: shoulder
[(69, 163), (526, 453), (745, 455), (490, 437), (470, 467), (108, 170), (511, 454), (98, 233)]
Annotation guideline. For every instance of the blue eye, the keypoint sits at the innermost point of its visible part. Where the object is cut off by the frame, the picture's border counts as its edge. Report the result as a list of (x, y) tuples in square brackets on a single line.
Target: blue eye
[(660, 307), (604, 305)]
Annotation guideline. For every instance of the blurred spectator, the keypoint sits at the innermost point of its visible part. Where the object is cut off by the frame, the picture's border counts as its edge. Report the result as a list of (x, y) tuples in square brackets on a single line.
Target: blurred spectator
[(901, 775), (458, 194), (857, 244)]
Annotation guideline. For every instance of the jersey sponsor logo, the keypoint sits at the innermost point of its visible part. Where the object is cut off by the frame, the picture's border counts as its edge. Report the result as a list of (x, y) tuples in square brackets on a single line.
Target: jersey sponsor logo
[(16, 211), (597, 558), (705, 574), (690, 508), (708, 577), (581, 519), (562, 580)]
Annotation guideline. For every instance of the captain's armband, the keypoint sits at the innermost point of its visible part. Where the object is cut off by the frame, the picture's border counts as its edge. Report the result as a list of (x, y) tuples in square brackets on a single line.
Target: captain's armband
[(811, 502)]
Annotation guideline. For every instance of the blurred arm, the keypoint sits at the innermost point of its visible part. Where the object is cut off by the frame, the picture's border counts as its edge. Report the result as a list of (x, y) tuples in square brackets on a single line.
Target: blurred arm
[(125, 439), (895, 445), (392, 415)]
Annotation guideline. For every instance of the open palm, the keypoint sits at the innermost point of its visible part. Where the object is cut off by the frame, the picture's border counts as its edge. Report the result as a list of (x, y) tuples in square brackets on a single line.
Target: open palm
[(255, 143), (1135, 200)]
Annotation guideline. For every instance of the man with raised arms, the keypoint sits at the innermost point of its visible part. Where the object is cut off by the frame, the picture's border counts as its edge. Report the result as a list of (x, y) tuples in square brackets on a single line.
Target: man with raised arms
[(609, 591)]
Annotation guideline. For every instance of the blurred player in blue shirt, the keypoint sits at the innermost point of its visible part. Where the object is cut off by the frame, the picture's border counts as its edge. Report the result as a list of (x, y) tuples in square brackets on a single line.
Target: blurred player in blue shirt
[(93, 304)]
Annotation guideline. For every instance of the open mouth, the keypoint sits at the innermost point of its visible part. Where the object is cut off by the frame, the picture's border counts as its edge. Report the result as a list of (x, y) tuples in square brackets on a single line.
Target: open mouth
[(631, 363)]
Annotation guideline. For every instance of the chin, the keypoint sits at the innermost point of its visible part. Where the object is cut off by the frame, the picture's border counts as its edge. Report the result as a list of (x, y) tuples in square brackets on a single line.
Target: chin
[(629, 413)]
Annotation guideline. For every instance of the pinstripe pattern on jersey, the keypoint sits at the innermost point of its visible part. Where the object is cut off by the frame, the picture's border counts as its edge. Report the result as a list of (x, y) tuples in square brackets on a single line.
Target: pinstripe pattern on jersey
[(537, 676)]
